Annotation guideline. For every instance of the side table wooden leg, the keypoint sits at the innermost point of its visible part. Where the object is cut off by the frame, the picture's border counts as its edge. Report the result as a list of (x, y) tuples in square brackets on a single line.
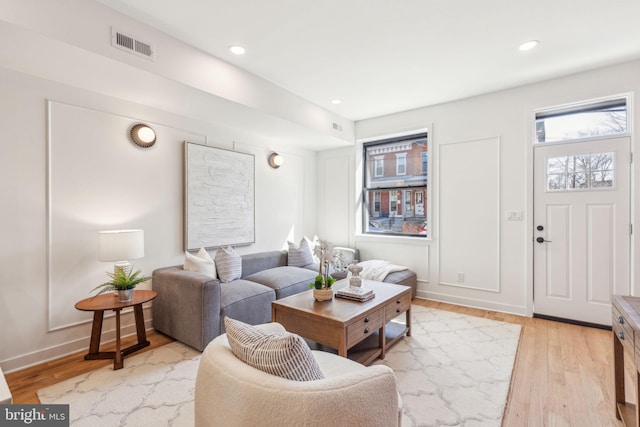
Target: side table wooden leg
[(96, 332), (142, 334), (117, 360), (408, 321)]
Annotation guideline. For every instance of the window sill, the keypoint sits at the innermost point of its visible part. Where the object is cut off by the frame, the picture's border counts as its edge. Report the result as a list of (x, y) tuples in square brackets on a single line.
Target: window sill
[(405, 240)]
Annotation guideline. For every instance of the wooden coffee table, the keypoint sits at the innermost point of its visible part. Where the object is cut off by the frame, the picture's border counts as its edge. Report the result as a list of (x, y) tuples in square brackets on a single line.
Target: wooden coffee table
[(342, 324)]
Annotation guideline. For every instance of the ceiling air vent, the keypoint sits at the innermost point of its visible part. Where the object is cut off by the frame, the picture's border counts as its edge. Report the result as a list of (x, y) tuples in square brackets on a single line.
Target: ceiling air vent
[(337, 127), (130, 44)]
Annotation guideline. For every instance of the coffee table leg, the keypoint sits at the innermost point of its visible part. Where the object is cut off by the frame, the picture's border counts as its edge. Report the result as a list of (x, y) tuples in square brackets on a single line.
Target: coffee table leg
[(342, 347), (117, 360)]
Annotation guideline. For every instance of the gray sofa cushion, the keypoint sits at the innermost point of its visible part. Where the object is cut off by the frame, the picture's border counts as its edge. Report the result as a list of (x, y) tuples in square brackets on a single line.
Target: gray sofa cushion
[(246, 301), (284, 281), (404, 277), (253, 263)]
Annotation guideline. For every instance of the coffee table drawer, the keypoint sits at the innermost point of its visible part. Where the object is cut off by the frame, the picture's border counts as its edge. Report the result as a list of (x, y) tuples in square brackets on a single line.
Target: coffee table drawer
[(397, 306), (623, 330), (364, 327)]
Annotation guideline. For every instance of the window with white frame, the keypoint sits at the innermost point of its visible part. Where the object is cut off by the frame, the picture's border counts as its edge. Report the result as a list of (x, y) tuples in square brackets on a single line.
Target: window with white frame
[(586, 120), (401, 164), (379, 166), (389, 193)]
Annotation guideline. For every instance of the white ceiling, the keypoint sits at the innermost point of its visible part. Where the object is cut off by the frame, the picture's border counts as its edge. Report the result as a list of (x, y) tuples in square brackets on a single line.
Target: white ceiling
[(385, 56)]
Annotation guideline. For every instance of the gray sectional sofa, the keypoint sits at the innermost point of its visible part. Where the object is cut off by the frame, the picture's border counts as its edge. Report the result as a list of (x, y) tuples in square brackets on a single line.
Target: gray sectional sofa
[(191, 307)]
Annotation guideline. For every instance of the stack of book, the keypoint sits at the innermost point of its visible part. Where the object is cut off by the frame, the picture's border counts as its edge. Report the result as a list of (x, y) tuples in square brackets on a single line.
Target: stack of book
[(356, 294)]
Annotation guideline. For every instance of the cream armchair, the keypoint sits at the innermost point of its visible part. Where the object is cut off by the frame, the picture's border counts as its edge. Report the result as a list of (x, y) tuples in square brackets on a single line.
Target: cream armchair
[(232, 393)]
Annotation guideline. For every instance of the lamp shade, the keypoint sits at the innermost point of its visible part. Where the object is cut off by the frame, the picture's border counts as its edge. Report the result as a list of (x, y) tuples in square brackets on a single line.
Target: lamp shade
[(120, 245)]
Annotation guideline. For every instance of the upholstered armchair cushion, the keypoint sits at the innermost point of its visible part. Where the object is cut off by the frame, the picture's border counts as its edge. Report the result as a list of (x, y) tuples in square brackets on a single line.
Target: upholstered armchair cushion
[(232, 393)]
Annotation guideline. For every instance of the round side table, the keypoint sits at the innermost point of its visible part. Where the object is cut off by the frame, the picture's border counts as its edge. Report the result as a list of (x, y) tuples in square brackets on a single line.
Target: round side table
[(99, 304)]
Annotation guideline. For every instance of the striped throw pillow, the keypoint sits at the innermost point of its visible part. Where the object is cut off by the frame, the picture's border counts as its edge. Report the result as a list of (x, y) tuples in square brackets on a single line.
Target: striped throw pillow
[(285, 355), (299, 256), (228, 264)]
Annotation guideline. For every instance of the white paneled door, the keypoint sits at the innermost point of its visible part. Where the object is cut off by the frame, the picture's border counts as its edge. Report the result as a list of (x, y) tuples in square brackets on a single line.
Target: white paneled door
[(581, 233)]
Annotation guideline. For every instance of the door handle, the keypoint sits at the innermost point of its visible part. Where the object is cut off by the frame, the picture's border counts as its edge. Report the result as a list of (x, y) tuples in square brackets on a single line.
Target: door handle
[(541, 240)]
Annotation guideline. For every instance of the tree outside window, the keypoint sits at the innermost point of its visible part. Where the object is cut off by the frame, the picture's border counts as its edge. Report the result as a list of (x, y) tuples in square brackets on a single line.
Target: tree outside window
[(597, 118)]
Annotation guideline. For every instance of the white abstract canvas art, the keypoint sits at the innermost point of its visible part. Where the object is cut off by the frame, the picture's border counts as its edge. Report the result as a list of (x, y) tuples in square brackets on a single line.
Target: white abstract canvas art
[(219, 197)]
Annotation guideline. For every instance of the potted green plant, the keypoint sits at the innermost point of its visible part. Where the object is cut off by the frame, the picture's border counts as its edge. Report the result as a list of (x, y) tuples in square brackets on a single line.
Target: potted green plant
[(122, 281)]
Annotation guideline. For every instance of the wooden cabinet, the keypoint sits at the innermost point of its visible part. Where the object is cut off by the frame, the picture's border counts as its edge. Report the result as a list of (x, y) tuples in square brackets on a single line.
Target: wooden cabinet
[(625, 326)]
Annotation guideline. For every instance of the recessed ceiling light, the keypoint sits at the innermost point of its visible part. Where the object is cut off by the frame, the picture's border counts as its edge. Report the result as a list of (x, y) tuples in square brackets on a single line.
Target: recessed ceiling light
[(528, 45), (335, 101), (237, 50)]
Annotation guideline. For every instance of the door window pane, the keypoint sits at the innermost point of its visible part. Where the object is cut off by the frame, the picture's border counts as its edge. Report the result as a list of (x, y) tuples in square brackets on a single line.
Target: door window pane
[(557, 165), (580, 172), (556, 182)]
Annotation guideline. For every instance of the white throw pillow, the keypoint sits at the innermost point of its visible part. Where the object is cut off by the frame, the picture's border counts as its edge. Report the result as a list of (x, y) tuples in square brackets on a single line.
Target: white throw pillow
[(200, 262), (299, 256), (283, 354), (228, 264), (312, 246)]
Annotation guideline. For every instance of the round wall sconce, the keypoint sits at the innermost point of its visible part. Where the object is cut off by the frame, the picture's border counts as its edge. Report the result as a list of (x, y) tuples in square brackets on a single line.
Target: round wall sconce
[(275, 160), (142, 135)]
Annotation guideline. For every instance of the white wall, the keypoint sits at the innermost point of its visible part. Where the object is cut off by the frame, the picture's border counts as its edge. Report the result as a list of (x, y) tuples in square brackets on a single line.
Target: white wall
[(47, 35), (472, 235), (67, 170), (59, 51)]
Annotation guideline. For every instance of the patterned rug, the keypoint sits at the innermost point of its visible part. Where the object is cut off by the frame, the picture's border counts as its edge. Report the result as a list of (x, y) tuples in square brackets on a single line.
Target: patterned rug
[(454, 370)]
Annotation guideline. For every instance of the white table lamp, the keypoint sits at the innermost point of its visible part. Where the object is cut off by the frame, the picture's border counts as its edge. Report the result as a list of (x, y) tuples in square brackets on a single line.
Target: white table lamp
[(120, 246)]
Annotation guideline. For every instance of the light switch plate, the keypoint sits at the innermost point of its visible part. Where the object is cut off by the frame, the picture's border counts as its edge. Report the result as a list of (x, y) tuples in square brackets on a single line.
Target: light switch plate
[(514, 215)]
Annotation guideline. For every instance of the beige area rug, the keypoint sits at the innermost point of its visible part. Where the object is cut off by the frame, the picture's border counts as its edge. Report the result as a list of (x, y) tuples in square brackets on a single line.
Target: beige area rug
[(454, 370)]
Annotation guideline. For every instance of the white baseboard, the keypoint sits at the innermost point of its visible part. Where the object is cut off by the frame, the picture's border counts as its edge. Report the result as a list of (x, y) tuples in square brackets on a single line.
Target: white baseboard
[(473, 303), (55, 352)]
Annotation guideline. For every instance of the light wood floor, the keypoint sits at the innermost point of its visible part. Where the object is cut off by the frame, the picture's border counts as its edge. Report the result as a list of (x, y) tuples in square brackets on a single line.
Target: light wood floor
[(24, 384), (563, 374)]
